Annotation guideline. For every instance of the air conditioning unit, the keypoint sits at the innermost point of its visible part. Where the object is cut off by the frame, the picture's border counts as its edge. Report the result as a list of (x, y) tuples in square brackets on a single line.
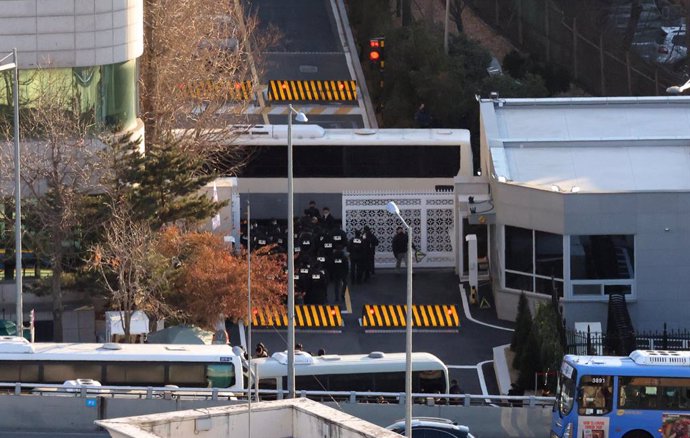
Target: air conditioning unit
[(661, 357)]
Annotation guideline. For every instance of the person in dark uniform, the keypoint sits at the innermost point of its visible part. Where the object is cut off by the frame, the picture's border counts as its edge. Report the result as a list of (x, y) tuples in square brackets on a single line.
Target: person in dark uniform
[(319, 283), (312, 211), (327, 219), (371, 242), (339, 273), (357, 257), (400, 247)]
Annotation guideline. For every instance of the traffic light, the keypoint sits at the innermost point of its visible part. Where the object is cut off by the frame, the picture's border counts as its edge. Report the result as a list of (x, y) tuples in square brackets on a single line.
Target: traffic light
[(376, 52)]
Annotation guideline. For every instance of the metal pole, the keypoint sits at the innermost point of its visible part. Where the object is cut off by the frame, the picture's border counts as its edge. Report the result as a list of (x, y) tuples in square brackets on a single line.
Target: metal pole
[(445, 29), (18, 271), (408, 336), (291, 269), (249, 320)]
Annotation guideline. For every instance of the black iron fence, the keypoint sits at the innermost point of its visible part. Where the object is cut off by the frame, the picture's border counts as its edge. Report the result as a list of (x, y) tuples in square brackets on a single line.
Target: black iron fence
[(579, 342)]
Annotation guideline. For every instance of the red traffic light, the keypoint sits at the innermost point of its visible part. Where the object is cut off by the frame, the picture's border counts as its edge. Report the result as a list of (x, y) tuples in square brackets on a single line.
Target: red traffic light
[(374, 43), (374, 56)]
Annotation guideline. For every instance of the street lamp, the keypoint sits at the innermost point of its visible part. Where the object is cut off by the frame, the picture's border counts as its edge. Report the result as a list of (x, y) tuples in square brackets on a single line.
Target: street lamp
[(393, 209), (676, 89), (17, 189), (300, 117)]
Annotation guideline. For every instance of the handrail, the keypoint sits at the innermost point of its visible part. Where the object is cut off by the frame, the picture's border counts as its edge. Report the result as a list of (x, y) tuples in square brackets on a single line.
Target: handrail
[(149, 392)]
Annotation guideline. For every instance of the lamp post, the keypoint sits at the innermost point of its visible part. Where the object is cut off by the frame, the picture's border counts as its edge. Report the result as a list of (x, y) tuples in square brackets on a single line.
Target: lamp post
[(300, 117), (17, 190), (393, 209)]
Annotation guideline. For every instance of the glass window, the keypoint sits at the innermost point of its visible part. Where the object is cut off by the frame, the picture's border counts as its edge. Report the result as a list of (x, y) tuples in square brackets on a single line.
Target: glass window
[(60, 372), (432, 382), (135, 374), (187, 374), (566, 393), (19, 372), (221, 375), (518, 249), (654, 393), (311, 383), (546, 286), (519, 281), (351, 382), (119, 95), (548, 257), (594, 395), (595, 257), (393, 382)]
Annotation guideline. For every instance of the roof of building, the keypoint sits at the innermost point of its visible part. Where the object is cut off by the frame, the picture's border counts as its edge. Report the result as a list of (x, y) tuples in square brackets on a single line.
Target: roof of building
[(596, 145)]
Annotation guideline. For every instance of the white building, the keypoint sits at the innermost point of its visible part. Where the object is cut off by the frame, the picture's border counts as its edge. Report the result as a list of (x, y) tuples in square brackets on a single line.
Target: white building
[(592, 196), (299, 418)]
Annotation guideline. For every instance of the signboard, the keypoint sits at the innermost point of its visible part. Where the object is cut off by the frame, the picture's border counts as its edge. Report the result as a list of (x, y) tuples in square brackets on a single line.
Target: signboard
[(91, 403), (675, 426), (593, 427)]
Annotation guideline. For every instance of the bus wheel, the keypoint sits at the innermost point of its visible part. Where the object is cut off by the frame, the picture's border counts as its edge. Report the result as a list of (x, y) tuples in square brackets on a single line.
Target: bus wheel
[(637, 434)]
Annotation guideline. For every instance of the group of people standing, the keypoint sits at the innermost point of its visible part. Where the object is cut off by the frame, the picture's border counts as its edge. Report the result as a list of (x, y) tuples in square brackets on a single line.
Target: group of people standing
[(325, 259)]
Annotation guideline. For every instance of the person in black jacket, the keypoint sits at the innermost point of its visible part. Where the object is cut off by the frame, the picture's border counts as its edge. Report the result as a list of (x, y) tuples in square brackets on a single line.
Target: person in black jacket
[(370, 244), (312, 210), (357, 257), (400, 247), (339, 272)]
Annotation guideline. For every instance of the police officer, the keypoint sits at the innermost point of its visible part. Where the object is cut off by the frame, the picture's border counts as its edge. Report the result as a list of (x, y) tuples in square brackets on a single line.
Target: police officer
[(372, 242), (357, 257), (319, 283), (339, 272)]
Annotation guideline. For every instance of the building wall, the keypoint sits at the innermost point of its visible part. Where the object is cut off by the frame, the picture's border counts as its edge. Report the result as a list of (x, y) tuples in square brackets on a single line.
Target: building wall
[(72, 33), (659, 222)]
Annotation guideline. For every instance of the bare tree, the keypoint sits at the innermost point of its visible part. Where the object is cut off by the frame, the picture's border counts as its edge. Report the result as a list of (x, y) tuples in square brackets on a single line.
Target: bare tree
[(195, 62), (131, 268), (58, 168)]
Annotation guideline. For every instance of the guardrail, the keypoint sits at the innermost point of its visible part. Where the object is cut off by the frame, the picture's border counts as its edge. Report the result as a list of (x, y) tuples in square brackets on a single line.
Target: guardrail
[(150, 392)]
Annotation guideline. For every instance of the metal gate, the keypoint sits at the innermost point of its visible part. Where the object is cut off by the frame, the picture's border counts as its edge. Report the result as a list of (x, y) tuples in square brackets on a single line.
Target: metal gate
[(430, 214)]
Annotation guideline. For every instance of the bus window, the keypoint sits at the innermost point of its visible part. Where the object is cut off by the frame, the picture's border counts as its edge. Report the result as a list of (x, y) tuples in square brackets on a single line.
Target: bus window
[(187, 374), (566, 394), (352, 382), (135, 374), (59, 372), (19, 372), (594, 396), (220, 375), (392, 382), (269, 384), (432, 382)]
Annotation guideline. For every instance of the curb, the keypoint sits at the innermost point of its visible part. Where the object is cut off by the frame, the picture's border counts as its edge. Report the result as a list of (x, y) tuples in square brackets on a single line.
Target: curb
[(501, 368)]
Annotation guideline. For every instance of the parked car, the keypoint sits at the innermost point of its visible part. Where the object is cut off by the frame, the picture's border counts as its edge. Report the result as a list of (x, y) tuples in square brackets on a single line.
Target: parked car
[(426, 427), (672, 48)]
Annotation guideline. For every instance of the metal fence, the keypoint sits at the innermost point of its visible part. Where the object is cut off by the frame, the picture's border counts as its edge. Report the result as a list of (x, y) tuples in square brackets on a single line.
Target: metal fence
[(151, 393), (583, 40), (584, 343)]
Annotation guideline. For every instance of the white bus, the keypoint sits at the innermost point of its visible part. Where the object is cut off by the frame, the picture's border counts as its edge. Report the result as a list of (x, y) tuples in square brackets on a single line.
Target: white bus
[(373, 372), (156, 365), (338, 160)]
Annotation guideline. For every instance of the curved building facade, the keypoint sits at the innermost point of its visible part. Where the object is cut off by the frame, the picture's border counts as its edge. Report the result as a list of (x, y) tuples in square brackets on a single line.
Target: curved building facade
[(85, 48)]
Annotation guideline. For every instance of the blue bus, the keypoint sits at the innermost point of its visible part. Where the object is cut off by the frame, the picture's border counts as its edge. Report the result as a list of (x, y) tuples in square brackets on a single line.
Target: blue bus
[(644, 395)]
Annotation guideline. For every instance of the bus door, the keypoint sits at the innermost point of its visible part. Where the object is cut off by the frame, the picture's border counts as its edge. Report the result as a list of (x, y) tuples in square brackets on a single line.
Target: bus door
[(594, 404)]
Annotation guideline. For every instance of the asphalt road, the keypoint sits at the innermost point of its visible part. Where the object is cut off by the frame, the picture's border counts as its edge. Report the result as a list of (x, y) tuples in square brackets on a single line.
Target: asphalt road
[(308, 47), (461, 351)]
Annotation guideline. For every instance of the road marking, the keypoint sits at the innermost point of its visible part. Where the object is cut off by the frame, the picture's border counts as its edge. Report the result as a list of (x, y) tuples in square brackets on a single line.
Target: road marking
[(468, 315)]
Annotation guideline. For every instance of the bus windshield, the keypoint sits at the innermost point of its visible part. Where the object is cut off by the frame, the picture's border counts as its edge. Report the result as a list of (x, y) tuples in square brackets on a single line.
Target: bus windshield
[(566, 394)]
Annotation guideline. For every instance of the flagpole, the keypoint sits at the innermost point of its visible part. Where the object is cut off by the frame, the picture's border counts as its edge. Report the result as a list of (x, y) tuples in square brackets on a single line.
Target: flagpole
[(249, 320)]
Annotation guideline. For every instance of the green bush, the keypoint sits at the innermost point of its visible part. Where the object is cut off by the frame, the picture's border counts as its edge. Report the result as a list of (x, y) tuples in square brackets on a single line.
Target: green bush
[(523, 326)]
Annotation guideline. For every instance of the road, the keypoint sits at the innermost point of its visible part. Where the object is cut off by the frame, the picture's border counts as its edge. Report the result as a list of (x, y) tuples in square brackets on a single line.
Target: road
[(309, 47), (465, 352)]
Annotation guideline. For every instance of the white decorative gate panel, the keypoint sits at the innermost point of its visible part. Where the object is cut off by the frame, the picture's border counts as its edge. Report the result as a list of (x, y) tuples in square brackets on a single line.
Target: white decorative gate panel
[(430, 214)]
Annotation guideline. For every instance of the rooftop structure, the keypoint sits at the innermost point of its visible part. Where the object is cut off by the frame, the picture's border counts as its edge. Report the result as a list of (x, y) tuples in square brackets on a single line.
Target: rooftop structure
[(592, 145), (298, 418)]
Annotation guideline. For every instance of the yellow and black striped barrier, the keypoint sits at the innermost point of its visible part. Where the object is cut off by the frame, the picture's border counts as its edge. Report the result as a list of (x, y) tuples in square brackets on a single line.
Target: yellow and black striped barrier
[(307, 316), (312, 91), (219, 89), (424, 316)]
